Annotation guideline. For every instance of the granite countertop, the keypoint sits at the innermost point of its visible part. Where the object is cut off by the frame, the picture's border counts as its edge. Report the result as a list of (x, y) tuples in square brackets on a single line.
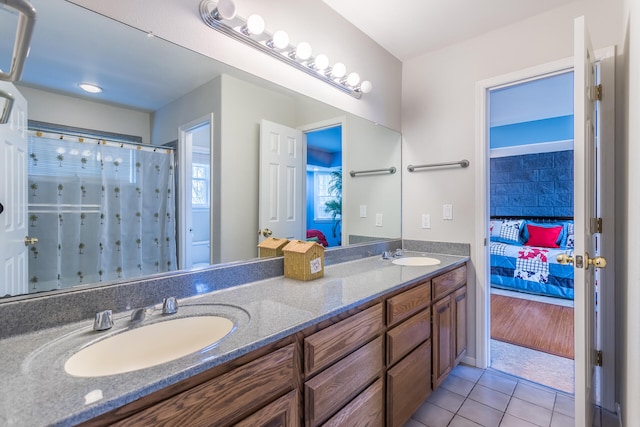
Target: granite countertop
[(36, 391)]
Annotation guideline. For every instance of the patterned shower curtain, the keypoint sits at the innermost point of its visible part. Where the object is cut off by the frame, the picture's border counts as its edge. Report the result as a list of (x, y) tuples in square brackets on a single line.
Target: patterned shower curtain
[(102, 211)]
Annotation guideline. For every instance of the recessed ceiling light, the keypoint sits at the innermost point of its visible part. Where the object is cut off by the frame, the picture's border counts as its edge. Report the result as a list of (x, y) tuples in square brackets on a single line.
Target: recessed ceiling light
[(91, 88)]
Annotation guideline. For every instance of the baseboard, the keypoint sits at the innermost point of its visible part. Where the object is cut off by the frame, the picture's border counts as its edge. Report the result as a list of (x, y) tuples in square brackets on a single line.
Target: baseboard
[(468, 360)]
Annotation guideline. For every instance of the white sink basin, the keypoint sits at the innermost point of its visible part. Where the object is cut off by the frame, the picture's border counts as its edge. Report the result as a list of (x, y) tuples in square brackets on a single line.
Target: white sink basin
[(148, 345), (416, 261)]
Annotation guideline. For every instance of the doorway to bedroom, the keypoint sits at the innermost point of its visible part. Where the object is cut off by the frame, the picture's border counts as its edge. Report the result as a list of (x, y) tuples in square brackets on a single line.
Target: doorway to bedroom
[(324, 185), (531, 223)]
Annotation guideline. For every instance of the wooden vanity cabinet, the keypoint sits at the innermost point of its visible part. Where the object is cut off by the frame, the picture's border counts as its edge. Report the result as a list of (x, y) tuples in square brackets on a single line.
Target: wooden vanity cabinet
[(408, 352), (341, 363), (262, 392), (370, 366), (449, 322)]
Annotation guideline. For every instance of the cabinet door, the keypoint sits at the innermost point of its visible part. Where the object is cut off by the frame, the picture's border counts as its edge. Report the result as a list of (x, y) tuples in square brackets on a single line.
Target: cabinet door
[(460, 324), (408, 385), (442, 340), (281, 413)]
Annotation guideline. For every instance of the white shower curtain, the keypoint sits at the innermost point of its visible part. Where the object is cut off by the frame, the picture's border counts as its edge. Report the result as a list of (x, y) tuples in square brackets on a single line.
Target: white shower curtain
[(102, 211)]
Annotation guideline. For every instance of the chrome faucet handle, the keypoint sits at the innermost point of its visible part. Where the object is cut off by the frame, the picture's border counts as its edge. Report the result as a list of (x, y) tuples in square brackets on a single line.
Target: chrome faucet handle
[(103, 320), (386, 255), (170, 305), (398, 253)]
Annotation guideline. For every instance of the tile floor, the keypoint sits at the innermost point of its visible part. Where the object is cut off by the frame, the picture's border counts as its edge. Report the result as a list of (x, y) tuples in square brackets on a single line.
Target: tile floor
[(472, 397)]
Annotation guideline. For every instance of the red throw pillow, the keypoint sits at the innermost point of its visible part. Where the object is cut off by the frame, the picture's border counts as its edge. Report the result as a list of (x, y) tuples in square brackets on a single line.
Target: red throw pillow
[(546, 237)]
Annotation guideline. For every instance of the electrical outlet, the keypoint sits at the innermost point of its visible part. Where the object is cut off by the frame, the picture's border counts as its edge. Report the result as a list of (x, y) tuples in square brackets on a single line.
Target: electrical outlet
[(378, 220), (426, 221), (447, 212), (363, 211)]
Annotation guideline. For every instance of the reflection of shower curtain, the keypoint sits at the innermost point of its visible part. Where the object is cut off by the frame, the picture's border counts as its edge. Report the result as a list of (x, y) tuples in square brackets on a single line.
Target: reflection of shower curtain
[(101, 210)]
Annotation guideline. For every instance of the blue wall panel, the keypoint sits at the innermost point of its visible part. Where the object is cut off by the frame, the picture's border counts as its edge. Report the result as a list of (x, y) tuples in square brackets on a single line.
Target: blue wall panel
[(532, 185)]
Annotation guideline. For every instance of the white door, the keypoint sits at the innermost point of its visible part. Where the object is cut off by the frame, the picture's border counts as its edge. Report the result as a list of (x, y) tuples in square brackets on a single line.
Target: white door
[(585, 213), (281, 191), (13, 195)]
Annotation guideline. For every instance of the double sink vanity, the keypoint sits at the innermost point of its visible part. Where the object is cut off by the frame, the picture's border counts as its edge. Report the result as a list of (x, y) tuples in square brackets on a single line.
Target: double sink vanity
[(364, 345)]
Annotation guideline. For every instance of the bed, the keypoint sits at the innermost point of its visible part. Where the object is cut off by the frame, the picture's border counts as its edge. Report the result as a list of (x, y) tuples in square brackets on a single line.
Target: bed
[(523, 255)]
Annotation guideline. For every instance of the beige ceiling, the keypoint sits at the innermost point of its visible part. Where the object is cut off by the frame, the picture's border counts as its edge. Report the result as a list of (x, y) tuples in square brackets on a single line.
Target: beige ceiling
[(408, 28)]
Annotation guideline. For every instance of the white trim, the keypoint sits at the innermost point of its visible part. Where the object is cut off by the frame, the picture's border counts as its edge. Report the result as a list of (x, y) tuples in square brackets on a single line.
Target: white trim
[(607, 292), (539, 147)]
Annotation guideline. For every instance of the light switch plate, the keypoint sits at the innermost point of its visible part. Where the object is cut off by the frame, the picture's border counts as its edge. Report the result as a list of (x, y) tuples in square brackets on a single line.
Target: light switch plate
[(447, 212), (426, 221), (378, 220), (363, 211)]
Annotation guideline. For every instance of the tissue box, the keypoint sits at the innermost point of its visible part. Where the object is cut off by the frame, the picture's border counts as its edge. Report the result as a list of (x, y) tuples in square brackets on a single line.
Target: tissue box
[(303, 260), (271, 247)]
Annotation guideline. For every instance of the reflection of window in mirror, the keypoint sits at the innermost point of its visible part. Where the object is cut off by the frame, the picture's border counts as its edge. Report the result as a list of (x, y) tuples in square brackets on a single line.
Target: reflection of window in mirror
[(200, 185), (325, 201)]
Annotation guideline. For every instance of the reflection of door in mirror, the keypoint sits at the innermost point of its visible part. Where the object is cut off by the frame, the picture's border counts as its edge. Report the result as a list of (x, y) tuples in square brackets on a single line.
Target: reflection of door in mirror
[(13, 196), (281, 194), (324, 186), (195, 231)]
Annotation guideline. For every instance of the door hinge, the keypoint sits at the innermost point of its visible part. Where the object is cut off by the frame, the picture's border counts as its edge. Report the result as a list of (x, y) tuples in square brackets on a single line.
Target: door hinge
[(596, 225), (598, 358), (597, 92), (485, 241)]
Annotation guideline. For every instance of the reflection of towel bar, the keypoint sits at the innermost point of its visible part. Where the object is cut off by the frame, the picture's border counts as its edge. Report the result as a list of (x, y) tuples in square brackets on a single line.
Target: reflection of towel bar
[(390, 170), (24, 30), (461, 163)]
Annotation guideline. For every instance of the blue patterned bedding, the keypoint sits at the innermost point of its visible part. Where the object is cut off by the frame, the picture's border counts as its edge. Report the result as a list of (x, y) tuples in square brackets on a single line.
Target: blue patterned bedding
[(531, 269)]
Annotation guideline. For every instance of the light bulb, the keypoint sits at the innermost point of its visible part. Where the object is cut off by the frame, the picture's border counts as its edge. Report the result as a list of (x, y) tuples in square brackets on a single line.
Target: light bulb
[(255, 25), (303, 51), (339, 70), (90, 87), (353, 79), (226, 9), (321, 62), (366, 86), (280, 40)]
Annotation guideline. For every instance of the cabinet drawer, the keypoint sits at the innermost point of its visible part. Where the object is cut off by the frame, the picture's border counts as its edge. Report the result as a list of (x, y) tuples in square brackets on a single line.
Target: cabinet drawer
[(331, 344), (444, 284), (227, 398), (407, 303), (408, 335), (366, 410), (330, 390), (408, 385), (281, 413)]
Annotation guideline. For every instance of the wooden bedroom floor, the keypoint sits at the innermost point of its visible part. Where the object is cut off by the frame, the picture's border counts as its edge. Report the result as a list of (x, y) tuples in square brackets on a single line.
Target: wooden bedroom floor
[(538, 366)]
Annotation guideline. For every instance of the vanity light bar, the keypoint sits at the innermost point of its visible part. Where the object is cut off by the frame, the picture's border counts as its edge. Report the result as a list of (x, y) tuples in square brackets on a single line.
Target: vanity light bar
[(213, 18)]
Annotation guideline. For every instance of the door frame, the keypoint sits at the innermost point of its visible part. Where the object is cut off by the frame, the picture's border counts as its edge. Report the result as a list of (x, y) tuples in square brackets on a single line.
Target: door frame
[(184, 176), (606, 57), (328, 123)]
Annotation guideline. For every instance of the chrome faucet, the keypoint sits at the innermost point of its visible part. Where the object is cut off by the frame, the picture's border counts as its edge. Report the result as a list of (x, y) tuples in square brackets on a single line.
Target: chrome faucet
[(387, 255), (170, 305), (103, 320), (398, 253)]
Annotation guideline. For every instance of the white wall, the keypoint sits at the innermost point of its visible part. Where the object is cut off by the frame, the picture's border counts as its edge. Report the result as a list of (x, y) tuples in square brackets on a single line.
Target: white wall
[(628, 209), (438, 113), (70, 111), (305, 20)]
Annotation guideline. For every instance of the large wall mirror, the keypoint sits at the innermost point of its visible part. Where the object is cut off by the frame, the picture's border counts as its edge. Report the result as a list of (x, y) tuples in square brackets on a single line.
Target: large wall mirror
[(170, 161)]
